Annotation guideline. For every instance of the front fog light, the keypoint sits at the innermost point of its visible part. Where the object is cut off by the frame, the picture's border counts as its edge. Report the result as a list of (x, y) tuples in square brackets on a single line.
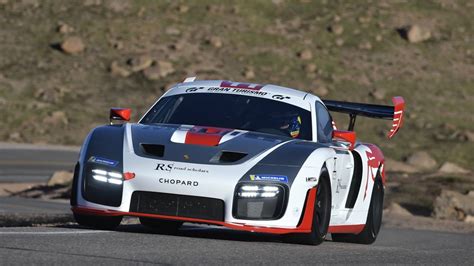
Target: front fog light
[(258, 191)]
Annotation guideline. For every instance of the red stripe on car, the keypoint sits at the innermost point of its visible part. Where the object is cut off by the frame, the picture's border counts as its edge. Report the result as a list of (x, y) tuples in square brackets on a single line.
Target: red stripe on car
[(206, 136)]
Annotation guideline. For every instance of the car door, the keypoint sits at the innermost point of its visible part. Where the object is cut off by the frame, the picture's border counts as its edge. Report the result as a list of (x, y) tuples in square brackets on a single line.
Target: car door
[(343, 161)]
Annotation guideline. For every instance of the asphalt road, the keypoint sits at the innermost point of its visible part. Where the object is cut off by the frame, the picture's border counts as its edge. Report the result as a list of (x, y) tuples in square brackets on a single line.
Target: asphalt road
[(33, 163), (132, 244)]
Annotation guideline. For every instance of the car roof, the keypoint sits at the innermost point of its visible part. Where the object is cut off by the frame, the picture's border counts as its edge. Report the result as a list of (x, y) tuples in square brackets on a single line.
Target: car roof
[(266, 88)]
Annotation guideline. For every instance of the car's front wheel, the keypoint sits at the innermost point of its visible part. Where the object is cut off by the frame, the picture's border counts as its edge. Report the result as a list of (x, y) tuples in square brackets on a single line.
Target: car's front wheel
[(321, 214), (162, 226), (98, 222)]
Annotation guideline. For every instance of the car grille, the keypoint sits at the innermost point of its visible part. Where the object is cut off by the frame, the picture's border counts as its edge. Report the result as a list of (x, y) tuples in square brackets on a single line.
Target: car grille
[(177, 205)]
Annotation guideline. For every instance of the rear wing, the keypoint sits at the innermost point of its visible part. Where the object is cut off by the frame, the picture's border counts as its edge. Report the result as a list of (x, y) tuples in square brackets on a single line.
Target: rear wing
[(394, 113)]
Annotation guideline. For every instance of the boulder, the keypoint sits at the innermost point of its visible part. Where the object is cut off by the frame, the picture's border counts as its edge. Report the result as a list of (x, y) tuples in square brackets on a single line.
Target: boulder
[(339, 42), (56, 118), (118, 70), (65, 29), (469, 219), (92, 2), (249, 73), (159, 70), (118, 6), (337, 29), (15, 137), (182, 8), (451, 168), (173, 31), (452, 205), (215, 41), (415, 33), (305, 54), (72, 45), (422, 160), (378, 94), (366, 45), (310, 68), (60, 178), (398, 167), (321, 91), (139, 63), (397, 209), (468, 136)]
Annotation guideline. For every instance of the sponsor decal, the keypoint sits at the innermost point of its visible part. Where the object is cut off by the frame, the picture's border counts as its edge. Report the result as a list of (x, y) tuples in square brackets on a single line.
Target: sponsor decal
[(104, 161), (178, 182), (237, 85), (194, 89), (237, 90), (164, 167), (171, 167), (311, 179), (280, 178), (340, 186), (280, 97)]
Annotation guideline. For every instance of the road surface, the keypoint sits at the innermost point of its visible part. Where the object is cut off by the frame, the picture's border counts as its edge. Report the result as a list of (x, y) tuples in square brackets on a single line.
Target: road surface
[(132, 244), (33, 163)]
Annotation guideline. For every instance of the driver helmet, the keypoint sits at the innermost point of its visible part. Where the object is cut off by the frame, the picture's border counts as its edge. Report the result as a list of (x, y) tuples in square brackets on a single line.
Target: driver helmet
[(293, 126)]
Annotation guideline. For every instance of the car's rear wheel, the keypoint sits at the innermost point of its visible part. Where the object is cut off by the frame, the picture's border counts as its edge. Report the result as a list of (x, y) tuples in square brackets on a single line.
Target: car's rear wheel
[(98, 222), (374, 219), (321, 215), (162, 226)]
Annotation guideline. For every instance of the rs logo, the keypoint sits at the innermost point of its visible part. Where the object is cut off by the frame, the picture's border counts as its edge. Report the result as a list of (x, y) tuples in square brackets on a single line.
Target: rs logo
[(164, 167)]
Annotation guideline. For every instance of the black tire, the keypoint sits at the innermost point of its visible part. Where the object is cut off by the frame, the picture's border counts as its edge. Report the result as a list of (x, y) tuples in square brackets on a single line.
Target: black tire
[(321, 215), (161, 226), (374, 219), (98, 222)]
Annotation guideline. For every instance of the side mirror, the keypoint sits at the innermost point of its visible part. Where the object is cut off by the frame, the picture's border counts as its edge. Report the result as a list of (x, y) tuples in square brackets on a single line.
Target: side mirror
[(349, 136), (120, 114)]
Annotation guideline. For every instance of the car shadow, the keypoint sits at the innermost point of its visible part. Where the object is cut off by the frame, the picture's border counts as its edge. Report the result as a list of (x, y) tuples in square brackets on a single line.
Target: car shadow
[(195, 231)]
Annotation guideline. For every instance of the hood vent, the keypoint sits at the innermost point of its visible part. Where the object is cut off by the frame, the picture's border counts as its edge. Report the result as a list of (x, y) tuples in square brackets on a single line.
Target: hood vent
[(228, 157), (156, 150)]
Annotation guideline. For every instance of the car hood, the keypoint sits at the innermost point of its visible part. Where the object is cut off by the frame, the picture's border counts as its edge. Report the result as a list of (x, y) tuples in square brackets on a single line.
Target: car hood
[(197, 144)]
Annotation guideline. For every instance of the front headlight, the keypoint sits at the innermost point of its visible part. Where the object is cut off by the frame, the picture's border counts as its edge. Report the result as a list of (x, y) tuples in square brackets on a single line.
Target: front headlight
[(257, 191), (102, 184), (107, 177), (259, 201)]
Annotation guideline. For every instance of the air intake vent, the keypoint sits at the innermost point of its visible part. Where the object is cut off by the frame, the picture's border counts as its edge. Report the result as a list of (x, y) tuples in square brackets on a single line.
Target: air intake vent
[(230, 156), (153, 149)]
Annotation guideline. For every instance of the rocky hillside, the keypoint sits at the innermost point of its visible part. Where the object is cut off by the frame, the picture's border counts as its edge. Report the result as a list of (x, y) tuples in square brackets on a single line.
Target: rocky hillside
[(64, 63)]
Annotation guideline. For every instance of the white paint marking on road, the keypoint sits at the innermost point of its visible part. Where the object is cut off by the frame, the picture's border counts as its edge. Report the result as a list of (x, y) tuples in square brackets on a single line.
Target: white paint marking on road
[(55, 232)]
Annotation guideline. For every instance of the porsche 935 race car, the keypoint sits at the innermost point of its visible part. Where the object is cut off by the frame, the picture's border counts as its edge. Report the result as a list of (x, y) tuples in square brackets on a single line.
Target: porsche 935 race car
[(252, 157)]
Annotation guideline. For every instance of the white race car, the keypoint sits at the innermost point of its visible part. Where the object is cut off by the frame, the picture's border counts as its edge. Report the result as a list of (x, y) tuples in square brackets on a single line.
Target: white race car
[(259, 158)]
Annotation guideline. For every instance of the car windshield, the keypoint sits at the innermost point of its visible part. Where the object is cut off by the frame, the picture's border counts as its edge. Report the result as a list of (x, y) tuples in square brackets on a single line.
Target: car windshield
[(233, 112)]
